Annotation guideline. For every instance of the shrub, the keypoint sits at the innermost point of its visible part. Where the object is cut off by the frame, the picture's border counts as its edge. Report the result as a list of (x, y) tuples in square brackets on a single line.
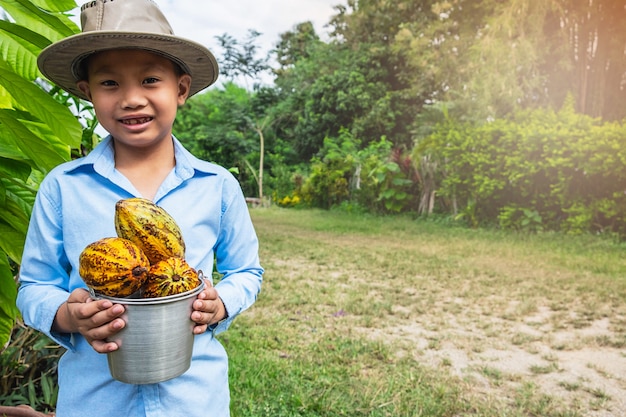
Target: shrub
[(29, 367)]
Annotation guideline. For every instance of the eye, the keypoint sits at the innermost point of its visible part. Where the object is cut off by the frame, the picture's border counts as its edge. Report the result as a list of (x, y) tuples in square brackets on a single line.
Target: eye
[(151, 80), (108, 83)]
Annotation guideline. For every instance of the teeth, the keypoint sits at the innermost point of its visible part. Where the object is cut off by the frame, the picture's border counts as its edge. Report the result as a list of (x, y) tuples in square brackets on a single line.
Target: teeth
[(136, 121)]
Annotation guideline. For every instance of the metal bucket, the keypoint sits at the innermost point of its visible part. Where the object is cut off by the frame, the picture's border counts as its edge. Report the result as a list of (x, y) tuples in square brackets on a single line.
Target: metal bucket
[(157, 342)]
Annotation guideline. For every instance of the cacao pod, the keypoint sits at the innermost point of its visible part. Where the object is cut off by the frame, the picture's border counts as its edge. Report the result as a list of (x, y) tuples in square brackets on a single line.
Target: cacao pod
[(150, 227), (113, 266), (170, 276)]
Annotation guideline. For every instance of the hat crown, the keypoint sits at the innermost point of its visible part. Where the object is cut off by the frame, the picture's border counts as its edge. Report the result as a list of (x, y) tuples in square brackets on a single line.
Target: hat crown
[(124, 15), (124, 24)]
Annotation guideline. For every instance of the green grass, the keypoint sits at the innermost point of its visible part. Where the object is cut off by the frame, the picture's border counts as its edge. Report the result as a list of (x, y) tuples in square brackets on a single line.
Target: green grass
[(389, 316), (358, 316)]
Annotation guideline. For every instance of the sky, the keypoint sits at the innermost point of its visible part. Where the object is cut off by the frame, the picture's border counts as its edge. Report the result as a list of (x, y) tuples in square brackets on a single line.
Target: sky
[(203, 20)]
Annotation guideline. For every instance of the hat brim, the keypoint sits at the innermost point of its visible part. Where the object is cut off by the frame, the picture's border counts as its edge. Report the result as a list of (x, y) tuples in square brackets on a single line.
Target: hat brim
[(58, 62)]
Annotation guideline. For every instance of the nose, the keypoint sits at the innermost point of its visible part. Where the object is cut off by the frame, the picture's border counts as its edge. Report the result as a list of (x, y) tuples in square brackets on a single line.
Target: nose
[(133, 97)]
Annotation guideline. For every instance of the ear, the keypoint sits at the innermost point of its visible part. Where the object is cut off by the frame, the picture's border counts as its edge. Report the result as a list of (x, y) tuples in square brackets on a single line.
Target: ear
[(184, 85), (84, 87)]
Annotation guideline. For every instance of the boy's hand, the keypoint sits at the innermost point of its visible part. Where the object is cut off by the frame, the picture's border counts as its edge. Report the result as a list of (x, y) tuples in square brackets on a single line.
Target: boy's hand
[(207, 309), (95, 320)]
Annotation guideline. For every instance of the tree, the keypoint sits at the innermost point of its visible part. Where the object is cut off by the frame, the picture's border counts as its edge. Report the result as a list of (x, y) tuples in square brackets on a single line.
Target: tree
[(240, 60), (37, 129), (213, 125), (491, 58), (349, 82), (295, 45), (596, 56)]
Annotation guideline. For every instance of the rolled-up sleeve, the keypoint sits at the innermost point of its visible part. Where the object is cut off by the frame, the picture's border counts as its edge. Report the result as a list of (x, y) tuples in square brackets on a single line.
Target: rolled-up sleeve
[(44, 272), (237, 258)]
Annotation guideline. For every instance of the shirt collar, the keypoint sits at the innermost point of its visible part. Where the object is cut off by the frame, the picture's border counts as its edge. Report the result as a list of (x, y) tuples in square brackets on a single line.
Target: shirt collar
[(103, 160)]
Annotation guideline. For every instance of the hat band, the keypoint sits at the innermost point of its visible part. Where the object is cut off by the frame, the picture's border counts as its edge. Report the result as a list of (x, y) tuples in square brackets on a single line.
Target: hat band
[(79, 73)]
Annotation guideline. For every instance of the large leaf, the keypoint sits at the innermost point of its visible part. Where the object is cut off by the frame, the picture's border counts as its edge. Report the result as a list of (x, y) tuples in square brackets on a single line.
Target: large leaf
[(13, 214), (11, 240), (8, 150), (19, 47), (43, 131), (23, 193), (8, 310), (6, 101), (12, 169), (55, 5), (51, 26), (15, 210), (59, 118), (38, 149)]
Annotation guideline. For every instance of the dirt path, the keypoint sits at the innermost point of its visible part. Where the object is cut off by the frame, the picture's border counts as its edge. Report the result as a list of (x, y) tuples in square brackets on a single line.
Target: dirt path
[(513, 318), (574, 365)]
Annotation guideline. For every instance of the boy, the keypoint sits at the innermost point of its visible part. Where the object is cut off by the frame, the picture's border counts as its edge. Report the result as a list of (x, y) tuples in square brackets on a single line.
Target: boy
[(136, 73)]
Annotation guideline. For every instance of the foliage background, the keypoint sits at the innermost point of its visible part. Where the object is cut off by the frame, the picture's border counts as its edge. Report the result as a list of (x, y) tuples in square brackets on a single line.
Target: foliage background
[(37, 129), (494, 113), (506, 114), (499, 114)]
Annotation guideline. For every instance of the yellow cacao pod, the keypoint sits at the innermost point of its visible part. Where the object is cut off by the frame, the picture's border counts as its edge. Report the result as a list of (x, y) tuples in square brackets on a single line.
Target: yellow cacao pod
[(113, 266), (150, 227), (170, 276)]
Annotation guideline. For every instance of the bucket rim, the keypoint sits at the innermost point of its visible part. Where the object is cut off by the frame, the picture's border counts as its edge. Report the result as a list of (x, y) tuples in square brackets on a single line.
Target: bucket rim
[(155, 300)]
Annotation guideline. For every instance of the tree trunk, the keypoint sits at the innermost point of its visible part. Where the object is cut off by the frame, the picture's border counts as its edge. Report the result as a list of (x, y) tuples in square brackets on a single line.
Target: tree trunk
[(261, 158)]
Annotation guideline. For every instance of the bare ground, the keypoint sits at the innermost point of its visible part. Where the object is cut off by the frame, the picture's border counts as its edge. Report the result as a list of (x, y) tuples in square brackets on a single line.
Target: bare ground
[(536, 331), (564, 363), (573, 362)]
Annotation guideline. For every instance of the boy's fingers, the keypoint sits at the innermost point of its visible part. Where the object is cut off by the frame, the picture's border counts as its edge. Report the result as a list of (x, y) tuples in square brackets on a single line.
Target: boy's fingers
[(102, 346), (200, 328), (209, 293), (99, 312), (100, 334), (79, 295), (200, 317)]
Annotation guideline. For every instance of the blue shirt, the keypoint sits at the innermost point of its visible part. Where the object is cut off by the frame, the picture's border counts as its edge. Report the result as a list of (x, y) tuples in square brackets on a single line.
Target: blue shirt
[(75, 206)]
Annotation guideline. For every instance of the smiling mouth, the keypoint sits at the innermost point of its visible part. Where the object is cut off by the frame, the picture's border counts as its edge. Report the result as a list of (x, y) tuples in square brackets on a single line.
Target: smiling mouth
[(136, 121)]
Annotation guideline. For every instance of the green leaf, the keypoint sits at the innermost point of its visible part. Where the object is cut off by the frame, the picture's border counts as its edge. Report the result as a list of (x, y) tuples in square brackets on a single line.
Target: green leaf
[(19, 47), (14, 218), (55, 5), (42, 130), (388, 193), (32, 392), (8, 309), (8, 151), (13, 215), (47, 389), (27, 14), (10, 168), (40, 151), (22, 192), (399, 182), (59, 119)]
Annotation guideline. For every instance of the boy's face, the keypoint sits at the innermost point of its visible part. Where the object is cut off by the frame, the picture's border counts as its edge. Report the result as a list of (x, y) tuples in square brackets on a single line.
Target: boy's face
[(135, 94)]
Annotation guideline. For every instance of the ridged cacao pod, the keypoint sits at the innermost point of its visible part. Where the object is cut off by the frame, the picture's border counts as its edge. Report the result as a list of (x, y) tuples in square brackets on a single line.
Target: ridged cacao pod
[(170, 276), (113, 266), (150, 227)]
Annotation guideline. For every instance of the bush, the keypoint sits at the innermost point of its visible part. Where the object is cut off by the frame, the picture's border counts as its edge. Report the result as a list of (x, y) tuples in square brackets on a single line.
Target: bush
[(29, 367), (540, 170)]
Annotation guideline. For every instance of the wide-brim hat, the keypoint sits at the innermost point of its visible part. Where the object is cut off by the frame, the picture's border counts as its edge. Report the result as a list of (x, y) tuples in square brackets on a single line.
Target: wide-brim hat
[(124, 24)]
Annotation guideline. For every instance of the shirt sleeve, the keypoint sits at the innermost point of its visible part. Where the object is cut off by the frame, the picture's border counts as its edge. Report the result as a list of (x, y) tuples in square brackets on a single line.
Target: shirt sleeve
[(237, 258), (44, 270)]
